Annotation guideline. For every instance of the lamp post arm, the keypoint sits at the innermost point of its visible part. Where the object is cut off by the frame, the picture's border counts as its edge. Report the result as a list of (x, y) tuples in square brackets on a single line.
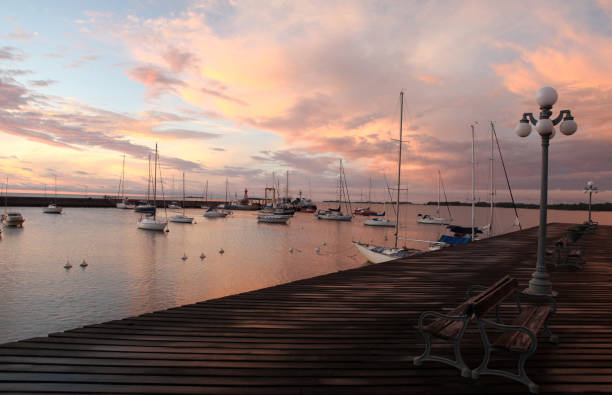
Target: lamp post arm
[(531, 118), (559, 118)]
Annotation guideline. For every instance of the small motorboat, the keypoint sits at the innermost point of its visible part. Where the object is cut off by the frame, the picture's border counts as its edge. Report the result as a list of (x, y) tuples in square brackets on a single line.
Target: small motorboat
[(52, 209), (68, 265), (83, 263), (273, 218)]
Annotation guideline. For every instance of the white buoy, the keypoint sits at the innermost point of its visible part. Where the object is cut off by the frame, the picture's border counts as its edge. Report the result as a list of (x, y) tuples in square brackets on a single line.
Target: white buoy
[(68, 265), (221, 251), (317, 250), (291, 250), (83, 263), (202, 256), (184, 257), (324, 244)]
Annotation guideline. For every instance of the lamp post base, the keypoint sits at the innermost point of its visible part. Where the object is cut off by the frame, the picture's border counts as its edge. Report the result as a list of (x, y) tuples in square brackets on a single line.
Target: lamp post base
[(540, 285)]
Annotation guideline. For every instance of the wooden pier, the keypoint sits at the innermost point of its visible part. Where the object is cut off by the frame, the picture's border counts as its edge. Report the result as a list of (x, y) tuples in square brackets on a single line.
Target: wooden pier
[(348, 332)]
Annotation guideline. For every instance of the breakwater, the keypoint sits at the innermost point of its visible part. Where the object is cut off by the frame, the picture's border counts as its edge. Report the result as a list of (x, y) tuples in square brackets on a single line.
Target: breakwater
[(41, 201)]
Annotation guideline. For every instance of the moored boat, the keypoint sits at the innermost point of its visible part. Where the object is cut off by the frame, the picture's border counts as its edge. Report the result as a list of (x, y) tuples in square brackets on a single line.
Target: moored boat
[(379, 222), (150, 221), (52, 209), (379, 254), (273, 218), (13, 219), (182, 218)]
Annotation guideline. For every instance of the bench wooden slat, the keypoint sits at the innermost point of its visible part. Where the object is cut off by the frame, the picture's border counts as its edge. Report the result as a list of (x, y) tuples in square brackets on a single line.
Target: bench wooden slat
[(532, 318), (495, 297), (447, 329)]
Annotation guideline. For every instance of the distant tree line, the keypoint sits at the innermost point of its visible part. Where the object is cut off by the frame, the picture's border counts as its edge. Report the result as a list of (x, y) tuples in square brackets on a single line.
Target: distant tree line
[(561, 206)]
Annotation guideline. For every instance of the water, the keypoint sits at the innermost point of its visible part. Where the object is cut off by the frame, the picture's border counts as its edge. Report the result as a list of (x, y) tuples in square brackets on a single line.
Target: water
[(132, 271)]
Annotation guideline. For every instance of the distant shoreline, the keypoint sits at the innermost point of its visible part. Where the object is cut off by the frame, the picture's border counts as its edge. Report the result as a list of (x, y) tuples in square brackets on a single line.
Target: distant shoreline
[(559, 206)]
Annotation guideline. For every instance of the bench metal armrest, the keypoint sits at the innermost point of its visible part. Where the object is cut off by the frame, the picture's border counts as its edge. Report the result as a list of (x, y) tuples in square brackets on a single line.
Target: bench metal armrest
[(536, 298), (512, 328), (474, 288), (435, 314)]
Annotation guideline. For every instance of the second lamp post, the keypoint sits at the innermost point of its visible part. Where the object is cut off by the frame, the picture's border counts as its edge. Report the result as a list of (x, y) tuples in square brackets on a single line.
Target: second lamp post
[(546, 97)]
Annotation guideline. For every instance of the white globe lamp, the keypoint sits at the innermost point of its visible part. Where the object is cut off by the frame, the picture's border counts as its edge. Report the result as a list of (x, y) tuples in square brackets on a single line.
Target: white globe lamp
[(568, 127), (523, 129), (545, 127), (546, 96)]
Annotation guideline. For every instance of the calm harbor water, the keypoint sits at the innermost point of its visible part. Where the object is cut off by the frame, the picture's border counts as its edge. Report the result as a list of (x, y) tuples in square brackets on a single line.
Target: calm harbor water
[(132, 271)]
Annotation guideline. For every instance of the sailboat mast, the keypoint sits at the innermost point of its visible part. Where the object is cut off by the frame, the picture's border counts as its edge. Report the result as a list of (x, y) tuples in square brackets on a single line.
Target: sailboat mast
[(183, 194), (473, 186), (399, 168), (123, 178), (491, 184), (226, 187), (438, 192), (149, 182), (155, 185), (55, 191), (206, 192)]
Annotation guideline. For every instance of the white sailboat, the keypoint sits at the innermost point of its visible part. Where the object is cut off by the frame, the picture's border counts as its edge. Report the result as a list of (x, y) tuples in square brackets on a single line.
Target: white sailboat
[(436, 220), (337, 214), (123, 204), (182, 218), (379, 254), (53, 208), (150, 221), (10, 218)]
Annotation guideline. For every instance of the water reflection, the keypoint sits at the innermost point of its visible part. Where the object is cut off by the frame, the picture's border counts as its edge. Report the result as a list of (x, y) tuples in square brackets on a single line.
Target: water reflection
[(132, 271)]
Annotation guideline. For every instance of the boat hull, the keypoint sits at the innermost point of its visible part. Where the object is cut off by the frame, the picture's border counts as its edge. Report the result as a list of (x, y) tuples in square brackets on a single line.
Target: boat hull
[(52, 209), (152, 224), (215, 214), (379, 222), (273, 219), (377, 254), (181, 219), (12, 219), (434, 221)]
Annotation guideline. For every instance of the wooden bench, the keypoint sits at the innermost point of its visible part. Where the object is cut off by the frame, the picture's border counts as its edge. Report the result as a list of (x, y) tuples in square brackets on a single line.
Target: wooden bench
[(451, 327), (519, 337), (563, 253)]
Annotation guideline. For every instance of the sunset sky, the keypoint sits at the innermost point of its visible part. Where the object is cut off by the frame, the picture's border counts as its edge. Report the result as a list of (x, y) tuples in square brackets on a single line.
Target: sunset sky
[(242, 89)]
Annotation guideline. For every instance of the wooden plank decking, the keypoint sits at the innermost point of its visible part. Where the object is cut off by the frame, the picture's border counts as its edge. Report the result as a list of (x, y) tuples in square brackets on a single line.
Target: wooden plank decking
[(348, 332)]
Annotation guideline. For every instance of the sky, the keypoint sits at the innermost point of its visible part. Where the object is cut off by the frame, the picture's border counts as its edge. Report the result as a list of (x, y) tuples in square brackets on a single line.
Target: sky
[(249, 90)]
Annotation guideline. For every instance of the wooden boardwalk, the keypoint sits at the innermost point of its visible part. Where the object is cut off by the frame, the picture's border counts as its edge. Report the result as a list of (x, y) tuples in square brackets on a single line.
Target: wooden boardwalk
[(348, 332)]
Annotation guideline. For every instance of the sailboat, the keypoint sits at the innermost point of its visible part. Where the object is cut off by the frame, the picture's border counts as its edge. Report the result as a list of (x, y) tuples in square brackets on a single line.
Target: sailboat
[(437, 220), (379, 254), (146, 206), (150, 221), (53, 208), (336, 214), (123, 204), (466, 234), (10, 218), (182, 218)]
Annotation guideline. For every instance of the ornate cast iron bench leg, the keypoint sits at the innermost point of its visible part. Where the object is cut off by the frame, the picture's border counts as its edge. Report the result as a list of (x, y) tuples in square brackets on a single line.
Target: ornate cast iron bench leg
[(426, 356), (483, 368)]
